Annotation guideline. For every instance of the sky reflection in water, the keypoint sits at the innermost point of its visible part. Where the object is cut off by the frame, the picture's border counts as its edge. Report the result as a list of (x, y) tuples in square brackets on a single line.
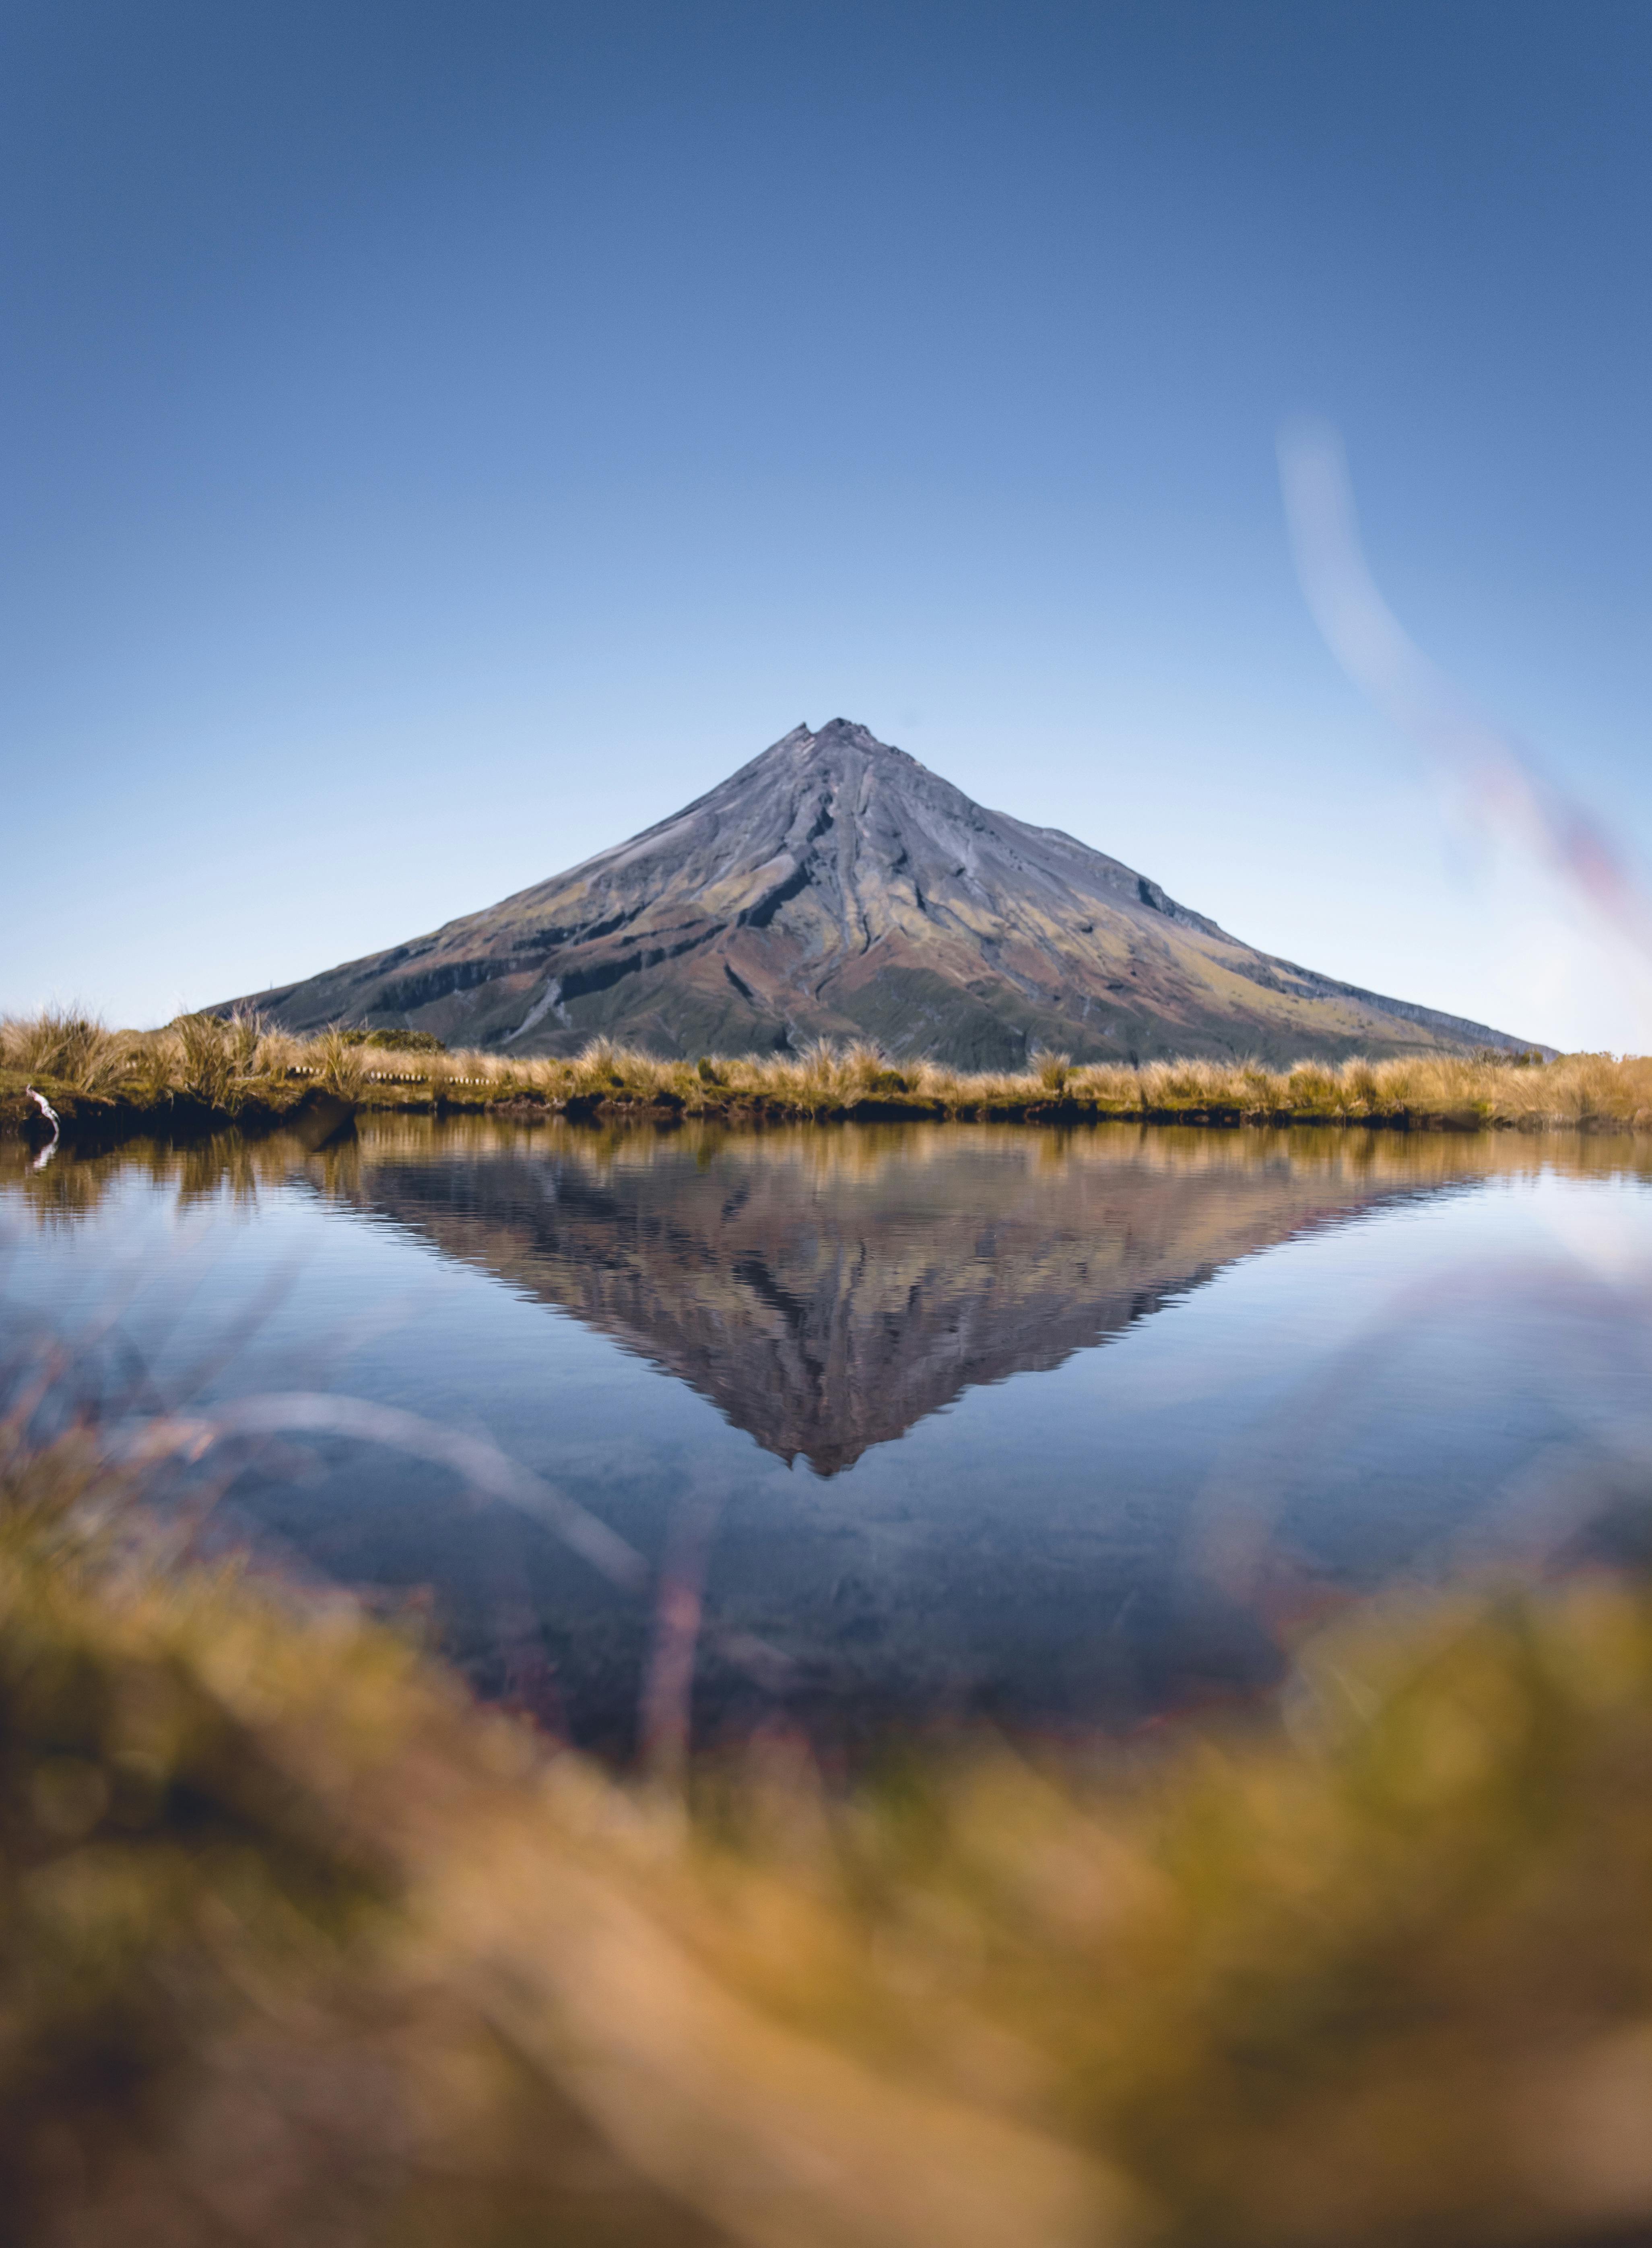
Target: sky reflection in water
[(957, 1422)]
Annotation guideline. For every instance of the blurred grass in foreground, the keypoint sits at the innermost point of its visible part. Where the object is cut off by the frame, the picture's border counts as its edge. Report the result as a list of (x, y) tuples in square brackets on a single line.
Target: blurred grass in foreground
[(236, 1065), (299, 1945)]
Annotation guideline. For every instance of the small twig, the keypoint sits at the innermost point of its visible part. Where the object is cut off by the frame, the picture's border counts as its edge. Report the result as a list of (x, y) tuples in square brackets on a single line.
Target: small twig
[(483, 1466)]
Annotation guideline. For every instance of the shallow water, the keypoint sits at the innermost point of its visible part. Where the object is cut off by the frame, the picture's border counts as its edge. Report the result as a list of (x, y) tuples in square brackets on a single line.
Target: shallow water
[(911, 1422)]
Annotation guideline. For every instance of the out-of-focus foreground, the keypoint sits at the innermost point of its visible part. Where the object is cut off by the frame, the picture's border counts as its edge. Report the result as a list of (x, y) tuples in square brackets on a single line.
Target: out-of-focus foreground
[(238, 1067), (299, 1944)]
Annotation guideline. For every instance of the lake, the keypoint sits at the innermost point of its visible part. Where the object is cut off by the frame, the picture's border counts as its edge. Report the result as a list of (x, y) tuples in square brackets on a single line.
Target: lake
[(857, 1428)]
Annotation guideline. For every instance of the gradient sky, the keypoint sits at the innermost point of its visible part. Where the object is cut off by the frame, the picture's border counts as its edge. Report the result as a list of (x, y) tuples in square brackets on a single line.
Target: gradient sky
[(440, 440)]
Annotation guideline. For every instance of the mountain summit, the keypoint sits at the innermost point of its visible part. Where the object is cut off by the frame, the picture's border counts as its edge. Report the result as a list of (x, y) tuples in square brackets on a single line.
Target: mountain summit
[(836, 888)]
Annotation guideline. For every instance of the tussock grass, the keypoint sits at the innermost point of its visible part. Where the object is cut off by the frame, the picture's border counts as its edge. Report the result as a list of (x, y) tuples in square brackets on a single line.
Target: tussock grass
[(300, 1946), (208, 1051), (337, 1062), (72, 1049), (228, 1065), (826, 1080)]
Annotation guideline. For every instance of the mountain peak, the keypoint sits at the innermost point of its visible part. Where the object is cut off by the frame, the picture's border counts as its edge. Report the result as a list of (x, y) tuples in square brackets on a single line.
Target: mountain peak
[(833, 886), (852, 732), (837, 734)]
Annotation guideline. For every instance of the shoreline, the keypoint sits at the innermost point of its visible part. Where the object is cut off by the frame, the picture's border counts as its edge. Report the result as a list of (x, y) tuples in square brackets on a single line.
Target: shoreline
[(90, 1121), (206, 1073)]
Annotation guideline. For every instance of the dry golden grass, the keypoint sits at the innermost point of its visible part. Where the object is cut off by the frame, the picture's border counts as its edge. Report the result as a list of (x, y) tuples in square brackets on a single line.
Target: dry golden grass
[(69, 1048), (229, 1064), (299, 1945), (1578, 1089)]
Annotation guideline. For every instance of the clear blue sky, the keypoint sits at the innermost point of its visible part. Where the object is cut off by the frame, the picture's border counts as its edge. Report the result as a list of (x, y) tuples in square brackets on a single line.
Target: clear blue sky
[(440, 440)]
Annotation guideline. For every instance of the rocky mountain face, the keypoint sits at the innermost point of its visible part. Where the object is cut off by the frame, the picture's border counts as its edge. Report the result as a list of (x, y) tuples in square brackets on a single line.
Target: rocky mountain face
[(835, 887)]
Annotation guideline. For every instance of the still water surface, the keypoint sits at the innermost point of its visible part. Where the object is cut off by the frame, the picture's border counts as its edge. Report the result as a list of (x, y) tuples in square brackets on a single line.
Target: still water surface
[(916, 1423)]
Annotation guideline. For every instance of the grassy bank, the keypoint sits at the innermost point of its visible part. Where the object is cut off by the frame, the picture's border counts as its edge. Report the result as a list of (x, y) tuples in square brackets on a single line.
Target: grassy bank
[(202, 1068), (299, 1944)]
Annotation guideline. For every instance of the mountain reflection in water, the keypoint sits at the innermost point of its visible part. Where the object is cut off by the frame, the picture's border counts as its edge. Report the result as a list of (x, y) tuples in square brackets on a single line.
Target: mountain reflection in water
[(829, 1290), (1442, 1356)]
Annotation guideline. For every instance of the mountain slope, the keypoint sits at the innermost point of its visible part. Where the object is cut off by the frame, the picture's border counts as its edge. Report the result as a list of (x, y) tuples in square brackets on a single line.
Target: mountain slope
[(836, 888)]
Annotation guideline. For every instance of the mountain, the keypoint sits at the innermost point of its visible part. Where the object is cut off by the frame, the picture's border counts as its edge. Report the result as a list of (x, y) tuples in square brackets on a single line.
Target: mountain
[(836, 888)]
